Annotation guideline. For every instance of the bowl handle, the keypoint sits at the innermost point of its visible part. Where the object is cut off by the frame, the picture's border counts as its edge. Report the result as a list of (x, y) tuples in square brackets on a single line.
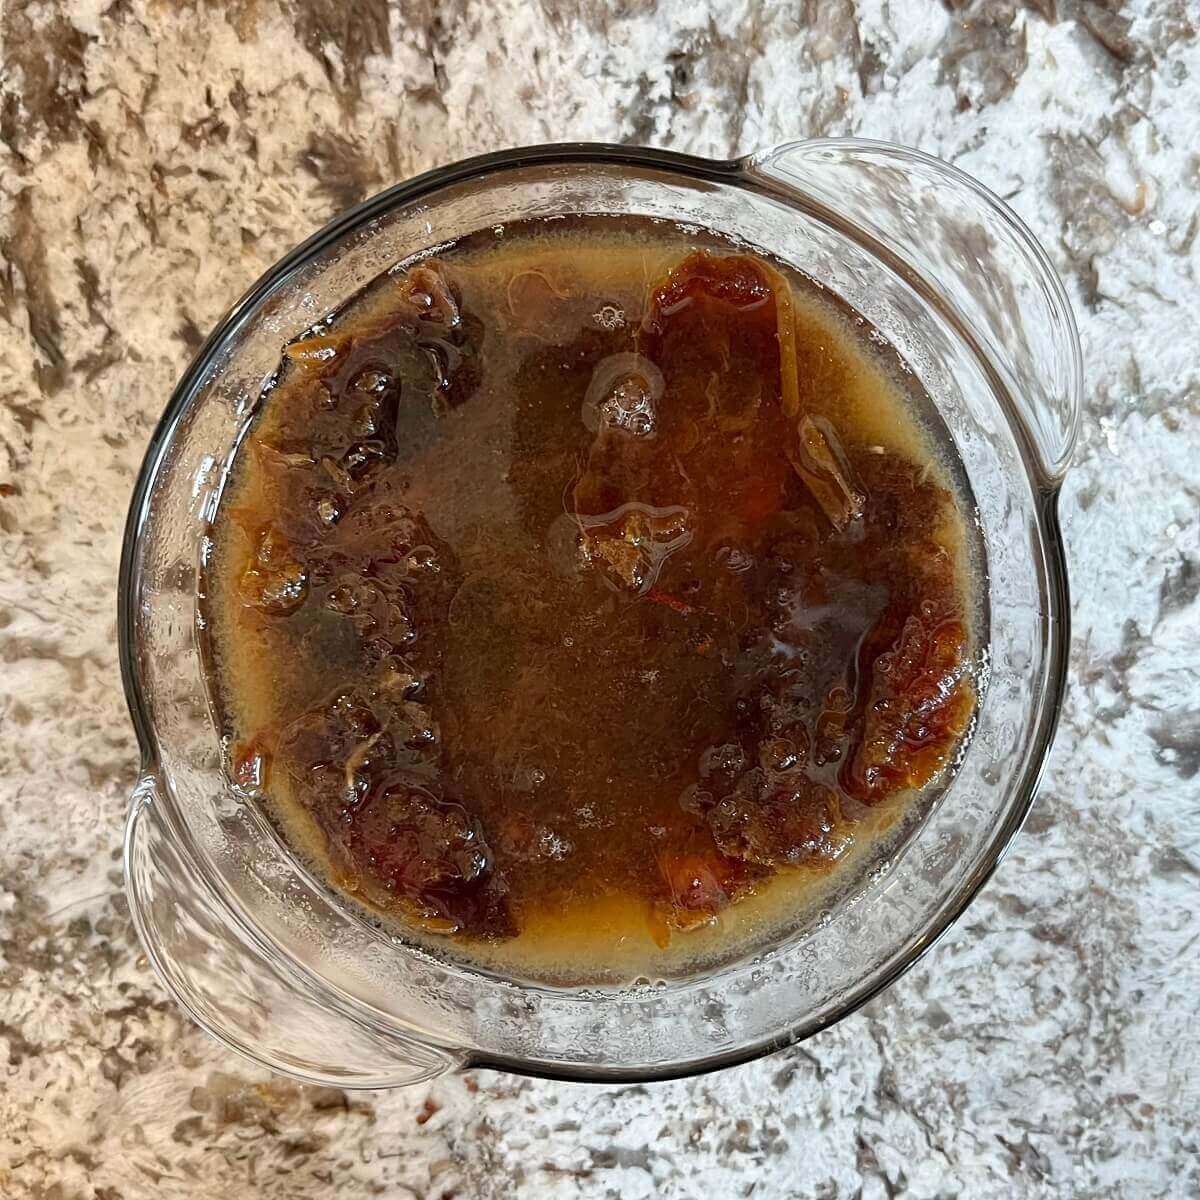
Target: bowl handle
[(957, 243), (239, 990)]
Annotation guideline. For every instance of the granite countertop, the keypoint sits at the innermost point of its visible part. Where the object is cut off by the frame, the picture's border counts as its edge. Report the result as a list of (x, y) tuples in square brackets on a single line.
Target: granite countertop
[(156, 157)]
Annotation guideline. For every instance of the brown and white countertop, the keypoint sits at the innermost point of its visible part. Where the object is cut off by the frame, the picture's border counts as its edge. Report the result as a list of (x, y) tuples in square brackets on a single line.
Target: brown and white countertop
[(157, 155)]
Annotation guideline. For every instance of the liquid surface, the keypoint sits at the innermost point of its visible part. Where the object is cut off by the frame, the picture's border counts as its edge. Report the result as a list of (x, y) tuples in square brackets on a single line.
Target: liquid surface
[(581, 598)]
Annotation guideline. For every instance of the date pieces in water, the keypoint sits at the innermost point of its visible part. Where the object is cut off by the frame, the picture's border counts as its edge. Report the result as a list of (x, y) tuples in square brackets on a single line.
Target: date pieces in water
[(570, 590)]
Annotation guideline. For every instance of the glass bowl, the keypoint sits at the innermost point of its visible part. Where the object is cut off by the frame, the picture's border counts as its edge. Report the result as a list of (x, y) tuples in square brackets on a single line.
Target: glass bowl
[(279, 968)]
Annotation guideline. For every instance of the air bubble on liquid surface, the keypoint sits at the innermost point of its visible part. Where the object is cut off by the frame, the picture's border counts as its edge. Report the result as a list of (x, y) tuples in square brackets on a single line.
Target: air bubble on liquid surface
[(623, 393), (609, 316), (551, 845), (629, 408)]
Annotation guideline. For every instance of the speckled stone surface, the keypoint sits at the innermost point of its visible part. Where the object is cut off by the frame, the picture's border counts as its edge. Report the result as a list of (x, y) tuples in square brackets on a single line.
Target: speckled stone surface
[(155, 157)]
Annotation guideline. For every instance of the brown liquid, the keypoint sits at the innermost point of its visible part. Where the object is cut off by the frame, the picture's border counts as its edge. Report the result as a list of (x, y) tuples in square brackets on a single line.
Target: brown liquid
[(582, 599)]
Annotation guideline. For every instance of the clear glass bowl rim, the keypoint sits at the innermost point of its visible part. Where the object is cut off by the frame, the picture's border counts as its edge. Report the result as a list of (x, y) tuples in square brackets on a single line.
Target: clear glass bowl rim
[(738, 172)]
